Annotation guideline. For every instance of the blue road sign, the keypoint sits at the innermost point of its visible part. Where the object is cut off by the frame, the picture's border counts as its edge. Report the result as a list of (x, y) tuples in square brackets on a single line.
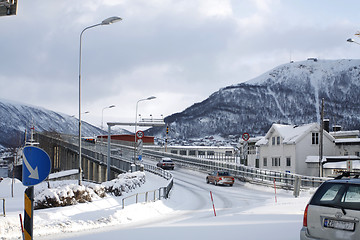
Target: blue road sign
[(36, 165)]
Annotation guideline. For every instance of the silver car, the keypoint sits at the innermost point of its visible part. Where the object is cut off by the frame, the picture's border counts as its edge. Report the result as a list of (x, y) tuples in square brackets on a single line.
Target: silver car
[(334, 211)]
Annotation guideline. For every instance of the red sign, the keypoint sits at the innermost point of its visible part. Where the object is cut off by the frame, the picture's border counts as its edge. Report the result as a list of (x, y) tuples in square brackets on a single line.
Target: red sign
[(139, 134), (246, 136)]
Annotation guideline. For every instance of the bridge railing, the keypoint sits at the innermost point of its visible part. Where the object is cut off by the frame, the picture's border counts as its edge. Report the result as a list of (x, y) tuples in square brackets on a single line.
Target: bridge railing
[(120, 162), (245, 173)]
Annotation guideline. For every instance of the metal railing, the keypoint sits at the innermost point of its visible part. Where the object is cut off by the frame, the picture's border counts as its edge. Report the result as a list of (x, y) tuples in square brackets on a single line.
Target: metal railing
[(157, 194), (120, 162), (242, 172)]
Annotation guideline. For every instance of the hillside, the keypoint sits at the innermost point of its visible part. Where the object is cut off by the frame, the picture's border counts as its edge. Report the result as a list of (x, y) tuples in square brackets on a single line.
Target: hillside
[(289, 94), (15, 118)]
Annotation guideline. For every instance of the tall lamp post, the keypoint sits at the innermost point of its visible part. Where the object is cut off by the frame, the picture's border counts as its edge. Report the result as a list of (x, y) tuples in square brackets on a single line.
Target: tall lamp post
[(149, 98), (107, 21), (102, 115), (352, 41)]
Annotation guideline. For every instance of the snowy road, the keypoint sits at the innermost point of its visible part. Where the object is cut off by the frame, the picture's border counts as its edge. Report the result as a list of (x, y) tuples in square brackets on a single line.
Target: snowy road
[(243, 210)]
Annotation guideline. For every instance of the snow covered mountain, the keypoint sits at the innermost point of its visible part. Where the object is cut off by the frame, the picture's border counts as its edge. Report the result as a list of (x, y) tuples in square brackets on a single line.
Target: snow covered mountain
[(290, 94), (16, 117)]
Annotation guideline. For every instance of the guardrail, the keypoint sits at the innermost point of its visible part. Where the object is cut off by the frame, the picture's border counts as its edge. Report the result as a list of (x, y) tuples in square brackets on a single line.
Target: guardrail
[(157, 194), (3, 214), (245, 173), (121, 162)]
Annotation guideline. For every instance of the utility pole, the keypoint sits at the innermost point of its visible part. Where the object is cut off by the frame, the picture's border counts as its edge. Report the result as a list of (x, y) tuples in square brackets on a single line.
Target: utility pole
[(321, 147)]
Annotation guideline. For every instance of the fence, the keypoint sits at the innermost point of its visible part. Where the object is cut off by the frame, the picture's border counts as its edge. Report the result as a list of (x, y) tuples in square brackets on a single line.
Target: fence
[(245, 173), (157, 194), (121, 161)]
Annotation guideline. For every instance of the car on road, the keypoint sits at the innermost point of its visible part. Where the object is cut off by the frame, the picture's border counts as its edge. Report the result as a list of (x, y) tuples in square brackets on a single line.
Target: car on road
[(333, 212), (220, 177), (166, 163)]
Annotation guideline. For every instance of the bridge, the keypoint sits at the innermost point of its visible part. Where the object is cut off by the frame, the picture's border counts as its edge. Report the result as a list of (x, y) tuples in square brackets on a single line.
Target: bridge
[(63, 152)]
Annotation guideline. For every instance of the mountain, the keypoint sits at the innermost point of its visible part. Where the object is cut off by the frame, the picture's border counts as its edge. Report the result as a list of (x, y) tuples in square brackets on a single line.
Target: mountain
[(15, 118), (289, 94)]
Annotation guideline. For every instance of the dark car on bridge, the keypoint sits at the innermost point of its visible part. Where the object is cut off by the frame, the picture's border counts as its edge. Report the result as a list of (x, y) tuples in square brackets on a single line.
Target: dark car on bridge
[(166, 163), (220, 177)]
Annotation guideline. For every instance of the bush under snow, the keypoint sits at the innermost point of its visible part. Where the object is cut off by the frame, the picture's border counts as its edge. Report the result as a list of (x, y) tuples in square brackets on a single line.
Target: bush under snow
[(65, 193)]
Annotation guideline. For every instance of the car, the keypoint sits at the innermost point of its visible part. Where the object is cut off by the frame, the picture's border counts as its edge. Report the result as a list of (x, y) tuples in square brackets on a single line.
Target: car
[(166, 163), (220, 177), (333, 212)]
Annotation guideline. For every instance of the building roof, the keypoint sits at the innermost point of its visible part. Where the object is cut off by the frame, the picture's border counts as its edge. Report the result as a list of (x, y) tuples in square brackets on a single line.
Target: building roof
[(332, 159), (291, 134)]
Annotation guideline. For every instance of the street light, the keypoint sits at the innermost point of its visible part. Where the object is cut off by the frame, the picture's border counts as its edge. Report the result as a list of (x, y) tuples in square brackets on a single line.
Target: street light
[(102, 114), (107, 21), (149, 98), (352, 41)]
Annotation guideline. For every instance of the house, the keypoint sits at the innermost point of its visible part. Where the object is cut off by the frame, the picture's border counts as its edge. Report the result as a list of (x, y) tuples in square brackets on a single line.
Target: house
[(286, 147)]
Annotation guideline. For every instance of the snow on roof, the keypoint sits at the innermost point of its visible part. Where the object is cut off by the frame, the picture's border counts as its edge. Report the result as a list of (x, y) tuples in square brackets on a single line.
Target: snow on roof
[(345, 133), (315, 159), (342, 165), (347, 140), (289, 133)]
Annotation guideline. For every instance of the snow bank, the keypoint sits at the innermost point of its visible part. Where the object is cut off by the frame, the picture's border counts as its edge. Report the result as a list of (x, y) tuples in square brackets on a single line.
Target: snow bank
[(68, 192)]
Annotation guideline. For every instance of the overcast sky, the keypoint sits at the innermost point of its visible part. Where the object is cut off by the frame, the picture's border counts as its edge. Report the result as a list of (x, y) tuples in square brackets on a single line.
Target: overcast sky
[(180, 51)]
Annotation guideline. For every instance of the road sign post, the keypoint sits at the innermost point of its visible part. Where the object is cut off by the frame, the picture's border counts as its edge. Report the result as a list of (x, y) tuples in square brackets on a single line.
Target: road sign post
[(36, 168)]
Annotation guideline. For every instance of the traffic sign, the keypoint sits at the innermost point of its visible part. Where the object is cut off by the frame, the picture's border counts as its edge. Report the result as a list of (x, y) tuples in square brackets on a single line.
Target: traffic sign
[(36, 165), (139, 134), (246, 136)]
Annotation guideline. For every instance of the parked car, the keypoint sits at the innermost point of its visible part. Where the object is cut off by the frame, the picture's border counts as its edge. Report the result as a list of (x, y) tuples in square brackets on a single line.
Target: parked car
[(220, 177), (334, 211), (166, 163)]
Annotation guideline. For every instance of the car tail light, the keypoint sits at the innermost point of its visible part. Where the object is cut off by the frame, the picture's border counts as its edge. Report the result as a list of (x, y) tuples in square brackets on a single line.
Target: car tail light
[(220, 178), (305, 216)]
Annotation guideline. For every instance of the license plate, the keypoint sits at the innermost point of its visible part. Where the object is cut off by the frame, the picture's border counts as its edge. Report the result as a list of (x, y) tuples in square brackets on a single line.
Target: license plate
[(336, 224)]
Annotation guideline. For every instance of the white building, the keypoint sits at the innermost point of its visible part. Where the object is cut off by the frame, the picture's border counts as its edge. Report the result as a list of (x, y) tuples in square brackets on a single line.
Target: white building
[(285, 147), (295, 149)]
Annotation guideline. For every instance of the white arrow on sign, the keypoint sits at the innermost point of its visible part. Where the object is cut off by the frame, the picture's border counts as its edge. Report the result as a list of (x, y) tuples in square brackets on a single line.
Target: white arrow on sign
[(34, 173)]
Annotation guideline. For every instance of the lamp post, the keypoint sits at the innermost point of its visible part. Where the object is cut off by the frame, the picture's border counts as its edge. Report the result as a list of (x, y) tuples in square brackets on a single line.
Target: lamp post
[(102, 114), (352, 41), (107, 21), (137, 103)]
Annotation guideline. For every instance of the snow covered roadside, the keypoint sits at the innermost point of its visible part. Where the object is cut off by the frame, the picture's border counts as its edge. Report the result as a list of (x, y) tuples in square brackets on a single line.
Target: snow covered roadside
[(175, 218), (80, 217)]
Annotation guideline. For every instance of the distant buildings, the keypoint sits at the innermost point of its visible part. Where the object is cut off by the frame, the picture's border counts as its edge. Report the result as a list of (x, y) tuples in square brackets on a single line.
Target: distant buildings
[(295, 149)]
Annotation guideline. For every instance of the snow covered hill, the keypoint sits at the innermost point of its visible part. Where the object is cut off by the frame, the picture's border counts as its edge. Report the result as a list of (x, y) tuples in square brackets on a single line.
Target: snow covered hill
[(16, 117), (290, 94)]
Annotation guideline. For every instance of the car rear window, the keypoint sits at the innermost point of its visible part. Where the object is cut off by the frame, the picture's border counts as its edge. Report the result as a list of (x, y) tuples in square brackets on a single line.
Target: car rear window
[(223, 174), (341, 195)]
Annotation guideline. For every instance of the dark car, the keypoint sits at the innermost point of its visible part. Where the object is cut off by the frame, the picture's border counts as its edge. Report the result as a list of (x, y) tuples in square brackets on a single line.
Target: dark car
[(334, 211), (220, 177), (166, 163)]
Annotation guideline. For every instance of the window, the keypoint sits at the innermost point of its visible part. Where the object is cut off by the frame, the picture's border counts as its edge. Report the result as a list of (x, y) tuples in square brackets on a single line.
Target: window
[(315, 138), (174, 151), (201, 153), (288, 161), (210, 153), (265, 162), (278, 140), (182, 152), (275, 161), (228, 153), (357, 154), (192, 153), (273, 140)]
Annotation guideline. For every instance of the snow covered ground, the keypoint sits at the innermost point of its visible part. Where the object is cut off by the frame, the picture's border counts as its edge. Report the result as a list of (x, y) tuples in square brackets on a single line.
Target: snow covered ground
[(243, 211)]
